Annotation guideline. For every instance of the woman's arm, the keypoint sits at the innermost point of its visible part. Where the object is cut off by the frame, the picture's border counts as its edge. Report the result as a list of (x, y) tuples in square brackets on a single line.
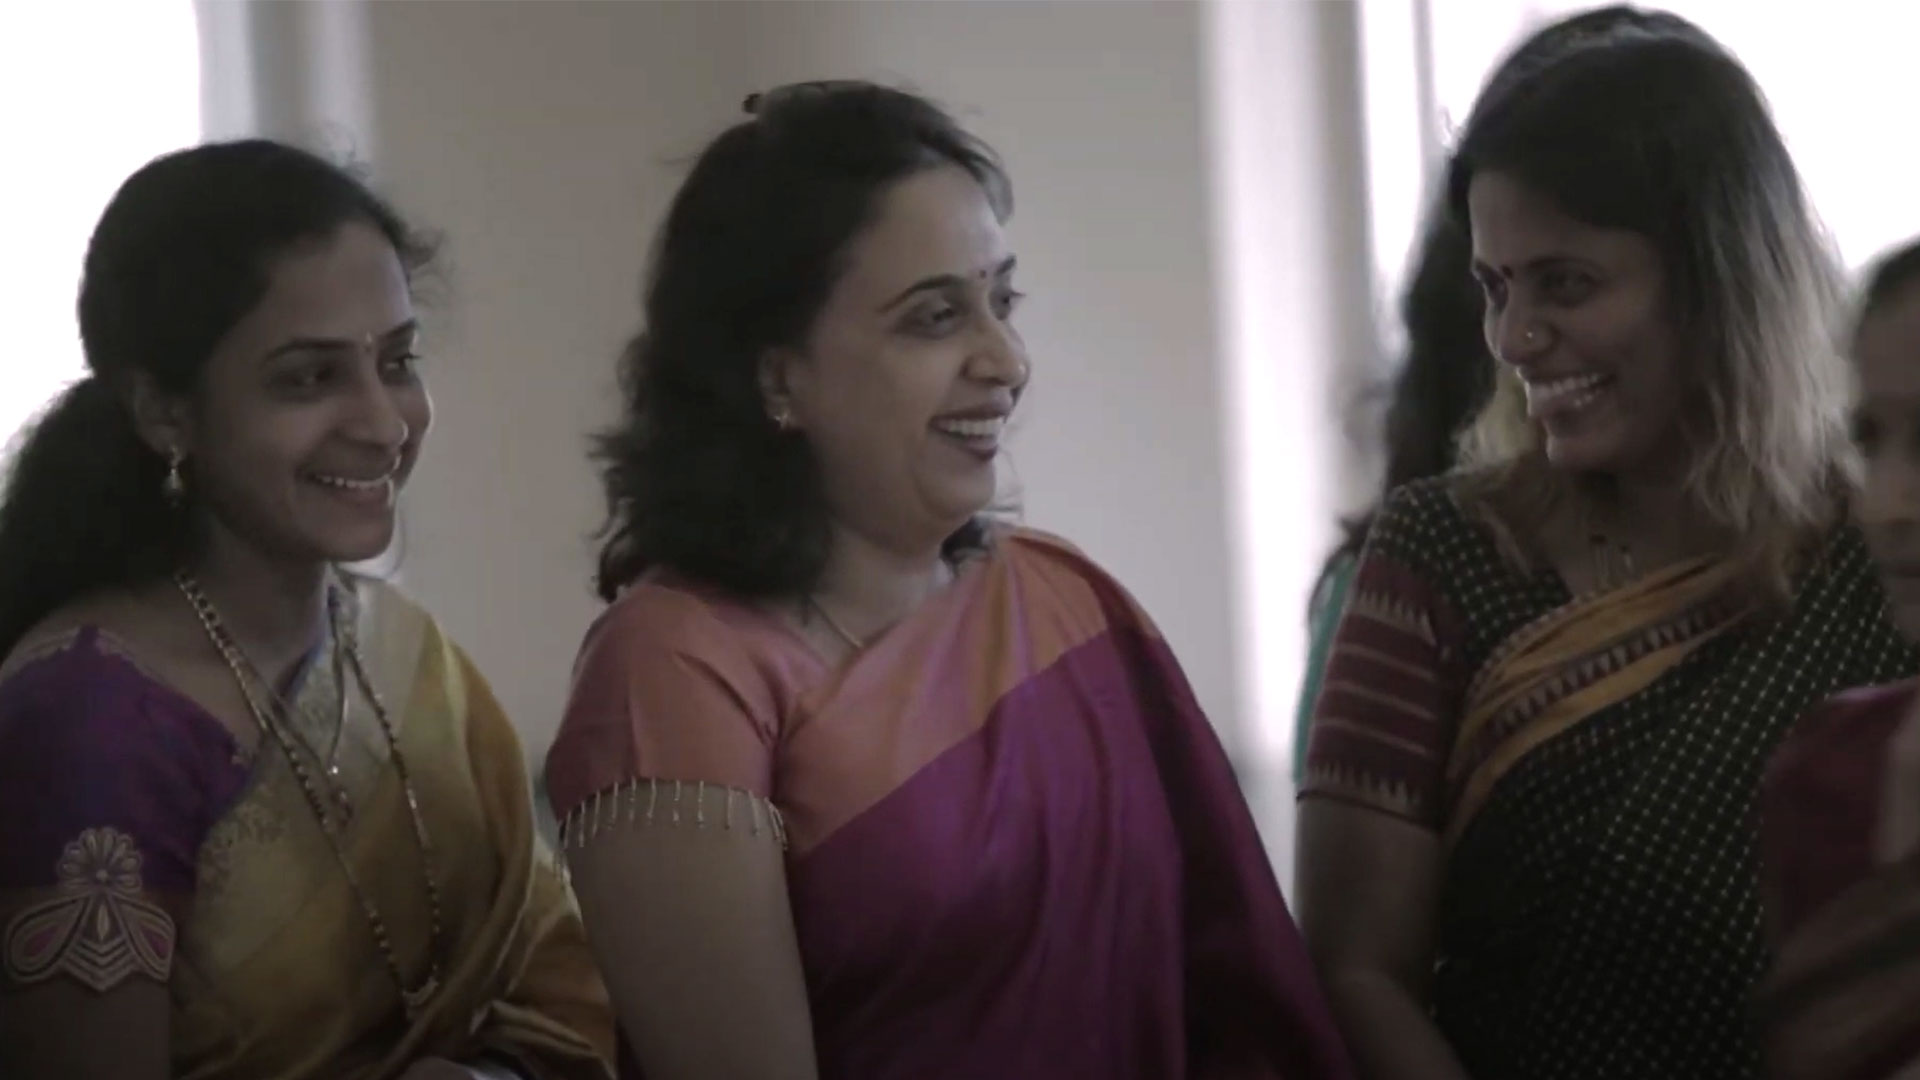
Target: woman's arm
[(105, 800), (662, 777), (1368, 887), (691, 925), (1369, 854)]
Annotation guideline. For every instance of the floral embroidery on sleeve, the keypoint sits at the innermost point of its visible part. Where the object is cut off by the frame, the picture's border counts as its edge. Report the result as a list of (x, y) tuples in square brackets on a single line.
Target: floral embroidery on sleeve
[(98, 929)]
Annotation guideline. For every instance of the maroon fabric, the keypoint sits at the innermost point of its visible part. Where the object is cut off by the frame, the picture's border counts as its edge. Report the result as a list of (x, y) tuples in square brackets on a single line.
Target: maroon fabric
[(88, 741), (1820, 804), (1390, 700)]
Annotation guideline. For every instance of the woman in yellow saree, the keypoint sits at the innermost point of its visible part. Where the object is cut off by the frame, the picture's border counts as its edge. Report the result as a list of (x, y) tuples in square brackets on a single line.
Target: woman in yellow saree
[(263, 817)]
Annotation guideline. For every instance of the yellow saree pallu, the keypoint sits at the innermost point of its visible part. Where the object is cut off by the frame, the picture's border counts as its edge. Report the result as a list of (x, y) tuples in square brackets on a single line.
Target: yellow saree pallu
[(1574, 663), (277, 971)]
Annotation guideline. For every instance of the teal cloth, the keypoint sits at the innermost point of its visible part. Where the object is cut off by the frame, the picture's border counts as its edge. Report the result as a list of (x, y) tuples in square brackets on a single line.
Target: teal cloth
[(1323, 618)]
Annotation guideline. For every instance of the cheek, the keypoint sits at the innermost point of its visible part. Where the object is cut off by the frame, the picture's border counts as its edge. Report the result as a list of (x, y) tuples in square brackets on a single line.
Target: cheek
[(886, 399), (415, 406), (254, 438), (1648, 353)]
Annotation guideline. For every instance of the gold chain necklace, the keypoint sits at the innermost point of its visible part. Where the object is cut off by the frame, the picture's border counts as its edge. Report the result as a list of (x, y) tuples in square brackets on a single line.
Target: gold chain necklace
[(343, 799), (414, 998)]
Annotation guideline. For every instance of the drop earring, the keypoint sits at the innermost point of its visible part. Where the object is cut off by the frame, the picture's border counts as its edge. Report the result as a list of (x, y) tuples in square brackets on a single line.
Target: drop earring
[(174, 487)]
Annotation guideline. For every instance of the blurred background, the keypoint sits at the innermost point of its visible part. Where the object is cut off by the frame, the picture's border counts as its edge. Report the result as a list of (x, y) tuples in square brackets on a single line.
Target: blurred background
[(1216, 200)]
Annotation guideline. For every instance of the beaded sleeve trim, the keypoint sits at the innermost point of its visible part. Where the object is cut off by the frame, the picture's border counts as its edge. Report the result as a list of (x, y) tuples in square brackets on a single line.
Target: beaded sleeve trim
[(656, 803)]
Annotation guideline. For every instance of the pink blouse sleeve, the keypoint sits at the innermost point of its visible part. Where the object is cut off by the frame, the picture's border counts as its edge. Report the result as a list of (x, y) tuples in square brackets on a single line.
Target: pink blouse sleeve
[(663, 691)]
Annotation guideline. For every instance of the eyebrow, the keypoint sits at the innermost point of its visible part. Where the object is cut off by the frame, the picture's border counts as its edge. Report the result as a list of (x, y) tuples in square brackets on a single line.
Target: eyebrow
[(945, 281), (312, 344), (1537, 263)]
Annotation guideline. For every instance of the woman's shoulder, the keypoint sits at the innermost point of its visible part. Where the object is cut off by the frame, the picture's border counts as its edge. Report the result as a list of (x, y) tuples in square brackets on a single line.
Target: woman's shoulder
[(83, 681), (667, 614), (1060, 580), (1432, 527), (1036, 553), (90, 739), (1426, 514)]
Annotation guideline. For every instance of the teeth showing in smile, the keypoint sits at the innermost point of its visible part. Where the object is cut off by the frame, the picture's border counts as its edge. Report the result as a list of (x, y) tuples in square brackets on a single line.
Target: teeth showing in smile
[(987, 428), (1571, 393), (348, 484)]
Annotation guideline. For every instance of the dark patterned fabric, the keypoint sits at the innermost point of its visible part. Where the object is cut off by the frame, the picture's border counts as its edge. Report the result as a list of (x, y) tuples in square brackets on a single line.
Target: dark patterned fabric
[(1600, 916)]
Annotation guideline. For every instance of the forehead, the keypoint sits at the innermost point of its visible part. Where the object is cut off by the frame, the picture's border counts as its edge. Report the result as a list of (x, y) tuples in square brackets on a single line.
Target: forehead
[(935, 222), (1513, 224), (346, 285), (1888, 345)]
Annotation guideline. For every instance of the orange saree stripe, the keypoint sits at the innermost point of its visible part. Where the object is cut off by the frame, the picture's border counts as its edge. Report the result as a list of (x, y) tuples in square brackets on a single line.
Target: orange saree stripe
[(1573, 665), (933, 682)]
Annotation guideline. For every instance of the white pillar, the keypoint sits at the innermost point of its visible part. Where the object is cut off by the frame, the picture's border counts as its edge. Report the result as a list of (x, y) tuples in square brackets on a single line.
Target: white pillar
[(1293, 256)]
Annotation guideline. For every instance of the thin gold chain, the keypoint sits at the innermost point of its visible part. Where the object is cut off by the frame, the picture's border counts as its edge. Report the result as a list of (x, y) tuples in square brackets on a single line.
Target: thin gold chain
[(834, 624), (415, 998)]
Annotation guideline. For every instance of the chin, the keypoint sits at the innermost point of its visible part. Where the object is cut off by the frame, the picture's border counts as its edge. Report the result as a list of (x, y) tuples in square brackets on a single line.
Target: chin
[(1598, 450), (346, 549), (1577, 457), (964, 501)]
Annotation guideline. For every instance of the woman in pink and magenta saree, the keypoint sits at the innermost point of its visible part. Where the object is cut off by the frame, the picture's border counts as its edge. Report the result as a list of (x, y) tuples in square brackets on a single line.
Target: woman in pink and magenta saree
[(855, 780)]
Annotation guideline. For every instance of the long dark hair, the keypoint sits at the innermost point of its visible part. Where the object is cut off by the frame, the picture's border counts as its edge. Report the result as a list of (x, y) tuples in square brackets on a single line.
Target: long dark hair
[(183, 251), (1447, 375), (1443, 380), (697, 478), (1667, 136)]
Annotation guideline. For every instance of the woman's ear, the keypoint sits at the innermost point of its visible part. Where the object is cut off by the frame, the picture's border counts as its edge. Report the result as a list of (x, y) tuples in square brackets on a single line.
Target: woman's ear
[(160, 418), (776, 393)]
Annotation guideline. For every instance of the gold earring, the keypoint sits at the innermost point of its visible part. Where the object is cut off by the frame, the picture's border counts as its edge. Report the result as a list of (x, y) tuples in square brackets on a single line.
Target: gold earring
[(174, 487)]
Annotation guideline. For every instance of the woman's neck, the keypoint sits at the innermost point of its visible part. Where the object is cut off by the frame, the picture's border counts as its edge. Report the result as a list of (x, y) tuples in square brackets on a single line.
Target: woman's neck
[(1659, 516), (866, 586), (275, 609)]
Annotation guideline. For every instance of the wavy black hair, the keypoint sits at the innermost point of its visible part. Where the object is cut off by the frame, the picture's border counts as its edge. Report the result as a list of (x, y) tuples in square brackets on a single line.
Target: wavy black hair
[(183, 251), (698, 479)]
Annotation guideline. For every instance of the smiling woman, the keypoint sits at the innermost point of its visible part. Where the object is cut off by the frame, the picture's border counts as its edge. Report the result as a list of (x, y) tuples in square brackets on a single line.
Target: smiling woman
[(244, 788), (1527, 821), (894, 789)]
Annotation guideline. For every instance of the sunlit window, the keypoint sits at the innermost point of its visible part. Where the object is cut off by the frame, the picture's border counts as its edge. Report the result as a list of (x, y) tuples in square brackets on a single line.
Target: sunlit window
[(88, 93), (1833, 82)]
